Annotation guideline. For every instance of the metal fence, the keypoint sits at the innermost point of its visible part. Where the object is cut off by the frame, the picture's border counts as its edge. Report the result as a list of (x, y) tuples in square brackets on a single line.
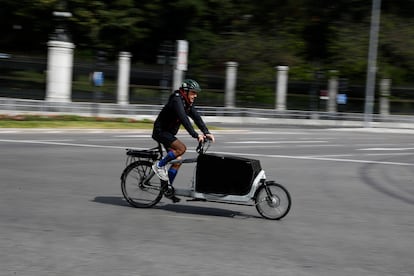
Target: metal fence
[(23, 77), (212, 114)]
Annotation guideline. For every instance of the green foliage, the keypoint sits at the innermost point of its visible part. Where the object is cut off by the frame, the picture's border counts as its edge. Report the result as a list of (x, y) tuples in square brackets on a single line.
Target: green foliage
[(349, 48), (70, 121), (397, 41), (298, 33)]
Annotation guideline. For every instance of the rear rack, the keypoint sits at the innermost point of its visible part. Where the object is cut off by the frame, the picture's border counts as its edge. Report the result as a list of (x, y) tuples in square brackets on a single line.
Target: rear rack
[(148, 154)]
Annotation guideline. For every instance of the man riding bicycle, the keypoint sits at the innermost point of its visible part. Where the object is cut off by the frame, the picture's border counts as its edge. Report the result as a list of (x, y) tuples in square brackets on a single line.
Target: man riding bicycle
[(176, 112)]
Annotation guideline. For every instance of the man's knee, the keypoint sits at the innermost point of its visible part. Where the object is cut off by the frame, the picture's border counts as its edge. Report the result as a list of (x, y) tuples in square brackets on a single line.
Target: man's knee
[(179, 147), (177, 165), (180, 151)]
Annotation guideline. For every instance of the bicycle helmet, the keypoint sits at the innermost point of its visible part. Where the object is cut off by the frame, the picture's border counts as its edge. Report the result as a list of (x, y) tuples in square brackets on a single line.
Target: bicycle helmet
[(189, 84)]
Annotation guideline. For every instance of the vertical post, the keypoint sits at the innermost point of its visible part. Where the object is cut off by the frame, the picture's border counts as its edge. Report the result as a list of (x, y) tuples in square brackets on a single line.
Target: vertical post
[(332, 91), (314, 92), (385, 86), (281, 87), (178, 79), (124, 65), (166, 57), (372, 62), (181, 63), (231, 80), (59, 71)]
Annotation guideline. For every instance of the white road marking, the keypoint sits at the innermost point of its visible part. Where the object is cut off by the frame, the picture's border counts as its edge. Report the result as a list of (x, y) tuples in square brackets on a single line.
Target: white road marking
[(392, 154), (227, 153), (318, 158), (387, 149), (363, 154), (330, 155), (377, 130), (59, 144), (277, 142), (277, 132), (133, 136)]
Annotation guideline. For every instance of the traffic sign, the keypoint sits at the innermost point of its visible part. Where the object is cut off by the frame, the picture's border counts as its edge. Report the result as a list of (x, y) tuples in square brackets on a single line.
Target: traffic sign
[(98, 78)]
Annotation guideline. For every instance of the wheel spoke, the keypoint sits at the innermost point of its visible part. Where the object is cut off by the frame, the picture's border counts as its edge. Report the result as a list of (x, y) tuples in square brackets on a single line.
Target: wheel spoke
[(272, 201), (139, 187)]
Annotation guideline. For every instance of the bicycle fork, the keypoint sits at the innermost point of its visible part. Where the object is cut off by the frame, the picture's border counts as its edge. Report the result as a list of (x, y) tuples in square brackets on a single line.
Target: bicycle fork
[(271, 199)]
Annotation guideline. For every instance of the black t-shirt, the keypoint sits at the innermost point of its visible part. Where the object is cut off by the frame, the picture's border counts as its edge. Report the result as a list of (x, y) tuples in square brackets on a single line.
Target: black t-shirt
[(176, 113)]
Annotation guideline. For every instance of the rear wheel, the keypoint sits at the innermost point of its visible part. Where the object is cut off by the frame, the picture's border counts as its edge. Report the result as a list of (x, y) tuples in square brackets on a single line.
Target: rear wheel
[(272, 200), (140, 187)]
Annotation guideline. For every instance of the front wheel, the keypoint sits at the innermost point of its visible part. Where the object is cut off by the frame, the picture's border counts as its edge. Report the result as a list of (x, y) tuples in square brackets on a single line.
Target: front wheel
[(272, 200), (140, 187)]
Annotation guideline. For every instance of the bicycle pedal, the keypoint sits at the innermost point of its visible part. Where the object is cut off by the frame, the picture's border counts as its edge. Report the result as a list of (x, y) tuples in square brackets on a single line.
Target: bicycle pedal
[(169, 191), (172, 197), (175, 199)]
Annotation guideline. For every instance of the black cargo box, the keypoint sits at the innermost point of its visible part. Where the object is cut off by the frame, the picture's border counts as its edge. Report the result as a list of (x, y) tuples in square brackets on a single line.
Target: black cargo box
[(221, 174)]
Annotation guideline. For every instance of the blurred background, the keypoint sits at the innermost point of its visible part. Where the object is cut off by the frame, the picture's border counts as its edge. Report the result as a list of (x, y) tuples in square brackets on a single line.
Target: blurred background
[(311, 37)]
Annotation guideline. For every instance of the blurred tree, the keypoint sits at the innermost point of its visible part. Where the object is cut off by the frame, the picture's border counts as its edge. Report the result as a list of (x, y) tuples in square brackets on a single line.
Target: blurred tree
[(303, 34), (396, 49), (25, 25), (106, 24)]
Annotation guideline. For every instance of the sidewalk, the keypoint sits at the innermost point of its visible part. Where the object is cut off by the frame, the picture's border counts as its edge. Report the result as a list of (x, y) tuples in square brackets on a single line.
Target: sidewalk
[(213, 115), (250, 121)]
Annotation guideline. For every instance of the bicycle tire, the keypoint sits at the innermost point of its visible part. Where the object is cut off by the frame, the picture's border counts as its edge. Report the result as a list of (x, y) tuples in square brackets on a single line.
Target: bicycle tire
[(137, 193), (272, 201)]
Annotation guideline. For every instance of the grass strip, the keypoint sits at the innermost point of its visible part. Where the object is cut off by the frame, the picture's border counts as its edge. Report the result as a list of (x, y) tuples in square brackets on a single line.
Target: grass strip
[(71, 121)]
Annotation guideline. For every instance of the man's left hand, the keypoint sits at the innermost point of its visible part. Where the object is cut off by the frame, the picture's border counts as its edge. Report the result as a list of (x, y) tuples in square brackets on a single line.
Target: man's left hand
[(210, 137)]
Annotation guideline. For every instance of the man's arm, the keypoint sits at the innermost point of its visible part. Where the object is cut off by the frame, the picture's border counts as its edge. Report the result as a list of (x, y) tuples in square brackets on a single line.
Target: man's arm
[(182, 116), (201, 125), (198, 120)]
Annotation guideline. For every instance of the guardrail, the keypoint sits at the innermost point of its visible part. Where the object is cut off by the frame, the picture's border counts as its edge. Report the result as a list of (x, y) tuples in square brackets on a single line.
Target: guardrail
[(211, 114)]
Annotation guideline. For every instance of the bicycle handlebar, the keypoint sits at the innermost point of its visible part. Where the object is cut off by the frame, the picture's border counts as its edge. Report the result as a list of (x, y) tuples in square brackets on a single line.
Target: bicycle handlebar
[(201, 145)]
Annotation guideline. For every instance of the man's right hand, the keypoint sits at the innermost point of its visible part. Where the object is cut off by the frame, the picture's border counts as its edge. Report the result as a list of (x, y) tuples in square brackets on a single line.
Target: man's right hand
[(200, 138), (210, 137)]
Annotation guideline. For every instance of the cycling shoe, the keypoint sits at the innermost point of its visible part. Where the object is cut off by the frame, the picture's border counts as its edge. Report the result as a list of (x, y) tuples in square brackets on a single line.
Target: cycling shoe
[(169, 192)]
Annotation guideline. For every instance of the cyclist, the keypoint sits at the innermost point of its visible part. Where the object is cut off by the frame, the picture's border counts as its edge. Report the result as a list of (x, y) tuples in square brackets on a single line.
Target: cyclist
[(176, 112)]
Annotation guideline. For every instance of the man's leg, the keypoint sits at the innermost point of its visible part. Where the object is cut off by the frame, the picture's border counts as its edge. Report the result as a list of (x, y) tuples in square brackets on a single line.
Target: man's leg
[(178, 148), (173, 170), (175, 148)]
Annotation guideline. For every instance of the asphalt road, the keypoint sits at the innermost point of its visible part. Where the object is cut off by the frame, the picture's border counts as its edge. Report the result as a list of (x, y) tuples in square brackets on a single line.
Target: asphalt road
[(62, 211)]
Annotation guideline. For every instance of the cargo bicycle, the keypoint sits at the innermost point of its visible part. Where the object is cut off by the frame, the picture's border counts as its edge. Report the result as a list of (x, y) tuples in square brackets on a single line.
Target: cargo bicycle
[(210, 182)]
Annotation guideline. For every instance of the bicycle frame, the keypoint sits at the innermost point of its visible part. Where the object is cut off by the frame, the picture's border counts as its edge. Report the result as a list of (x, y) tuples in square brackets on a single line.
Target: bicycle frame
[(191, 192), (141, 187)]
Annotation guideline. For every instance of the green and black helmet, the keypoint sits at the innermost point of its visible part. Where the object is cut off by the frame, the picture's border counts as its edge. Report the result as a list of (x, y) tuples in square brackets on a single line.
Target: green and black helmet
[(189, 84)]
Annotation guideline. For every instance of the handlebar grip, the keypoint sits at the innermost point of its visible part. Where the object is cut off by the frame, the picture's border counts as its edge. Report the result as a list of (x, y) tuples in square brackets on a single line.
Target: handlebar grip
[(201, 144), (199, 147)]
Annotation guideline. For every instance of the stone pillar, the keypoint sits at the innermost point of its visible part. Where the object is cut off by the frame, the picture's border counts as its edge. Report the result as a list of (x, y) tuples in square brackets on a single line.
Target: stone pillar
[(178, 77), (181, 63), (385, 86), (332, 91), (124, 66), (59, 71), (281, 87), (231, 80)]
